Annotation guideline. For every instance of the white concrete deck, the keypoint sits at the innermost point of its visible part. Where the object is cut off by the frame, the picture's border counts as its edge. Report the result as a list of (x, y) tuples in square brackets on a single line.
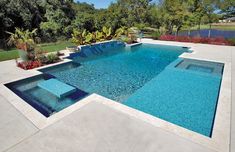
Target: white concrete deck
[(97, 126)]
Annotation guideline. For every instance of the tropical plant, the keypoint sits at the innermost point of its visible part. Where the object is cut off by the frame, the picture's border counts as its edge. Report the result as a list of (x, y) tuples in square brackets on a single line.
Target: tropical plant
[(119, 32), (77, 37), (39, 54), (85, 37), (81, 38), (52, 58), (107, 33), (23, 39), (125, 34), (125, 39), (89, 38), (98, 36)]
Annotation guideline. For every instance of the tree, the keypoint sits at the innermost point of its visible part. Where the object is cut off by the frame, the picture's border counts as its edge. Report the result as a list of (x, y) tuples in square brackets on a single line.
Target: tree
[(155, 16), (128, 13), (58, 16), (32, 14), (84, 16), (227, 7), (189, 22), (198, 13), (56, 19), (209, 7), (19, 13), (175, 13), (24, 40)]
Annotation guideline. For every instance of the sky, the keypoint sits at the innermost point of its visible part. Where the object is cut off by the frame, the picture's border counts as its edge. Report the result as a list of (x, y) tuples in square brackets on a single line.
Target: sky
[(98, 3)]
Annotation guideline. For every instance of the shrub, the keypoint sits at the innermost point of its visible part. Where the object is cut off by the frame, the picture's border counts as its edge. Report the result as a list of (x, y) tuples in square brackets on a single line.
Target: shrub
[(58, 53), (232, 41), (81, 37), (126, 39), (52, 58), (27, 65), (156, 35)]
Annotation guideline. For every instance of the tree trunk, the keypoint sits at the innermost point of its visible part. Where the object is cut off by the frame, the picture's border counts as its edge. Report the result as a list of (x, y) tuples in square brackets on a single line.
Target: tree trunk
[(209, 33), (177, 31), (189, 32), (199, 28)]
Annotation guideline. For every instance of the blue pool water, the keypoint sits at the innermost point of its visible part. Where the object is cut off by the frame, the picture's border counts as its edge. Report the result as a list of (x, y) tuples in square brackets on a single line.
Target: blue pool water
[(184, 97), (119, 75), (40, 99), (150, 78)]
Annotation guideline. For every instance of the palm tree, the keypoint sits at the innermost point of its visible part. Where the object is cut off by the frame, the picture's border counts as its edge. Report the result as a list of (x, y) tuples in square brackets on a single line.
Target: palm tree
[(23, 40)]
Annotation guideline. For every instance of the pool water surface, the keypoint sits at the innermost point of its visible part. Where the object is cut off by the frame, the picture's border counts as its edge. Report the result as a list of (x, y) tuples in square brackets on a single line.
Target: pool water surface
[(150, 78), (119, 75)]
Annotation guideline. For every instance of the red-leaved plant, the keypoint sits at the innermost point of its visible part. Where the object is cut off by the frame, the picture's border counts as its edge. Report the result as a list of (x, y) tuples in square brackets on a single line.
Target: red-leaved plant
[(27, 65)]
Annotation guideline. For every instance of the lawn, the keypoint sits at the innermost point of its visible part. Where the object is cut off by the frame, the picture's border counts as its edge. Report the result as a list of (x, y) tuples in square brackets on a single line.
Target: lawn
[(49, 47)]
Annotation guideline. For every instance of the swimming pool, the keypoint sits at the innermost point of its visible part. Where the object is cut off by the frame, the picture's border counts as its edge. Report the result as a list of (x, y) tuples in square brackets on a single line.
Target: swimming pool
[(119, 74), (150, 78)]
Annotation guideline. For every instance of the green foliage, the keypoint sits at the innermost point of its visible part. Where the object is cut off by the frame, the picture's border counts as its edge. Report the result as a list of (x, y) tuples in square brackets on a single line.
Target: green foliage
[(41, 49), (22, 37), (227, 7), (107, 33), (98, 36), (119, 32), (52, 58), (125, 39), (129, 39), (140, 26), (77, 37), (155, 35), (51, 17), (126, 34), (56, 19), (232, 41), (85, 37), (88, 38), (24, 40), (81, 37), (84, 21)]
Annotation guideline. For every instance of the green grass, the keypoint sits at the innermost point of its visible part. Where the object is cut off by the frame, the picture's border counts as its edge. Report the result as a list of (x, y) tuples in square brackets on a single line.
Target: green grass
[(49, 47), (52, 47), (8, 55)]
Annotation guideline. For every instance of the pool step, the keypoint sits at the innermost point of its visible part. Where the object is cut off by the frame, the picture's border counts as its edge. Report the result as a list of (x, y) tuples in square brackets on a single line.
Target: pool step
[(56, 87)]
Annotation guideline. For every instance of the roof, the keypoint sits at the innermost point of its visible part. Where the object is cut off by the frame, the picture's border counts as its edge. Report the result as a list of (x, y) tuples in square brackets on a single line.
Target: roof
[(231, 18)]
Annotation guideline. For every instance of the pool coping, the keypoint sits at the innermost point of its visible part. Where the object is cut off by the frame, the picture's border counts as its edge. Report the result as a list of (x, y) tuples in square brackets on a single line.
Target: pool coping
[(221, 128)]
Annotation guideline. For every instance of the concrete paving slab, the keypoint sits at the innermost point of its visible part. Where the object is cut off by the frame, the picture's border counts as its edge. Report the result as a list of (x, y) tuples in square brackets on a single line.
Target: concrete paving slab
[(14, 127), (96, 127), (99, 128), (10, 72), (233, 104)]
